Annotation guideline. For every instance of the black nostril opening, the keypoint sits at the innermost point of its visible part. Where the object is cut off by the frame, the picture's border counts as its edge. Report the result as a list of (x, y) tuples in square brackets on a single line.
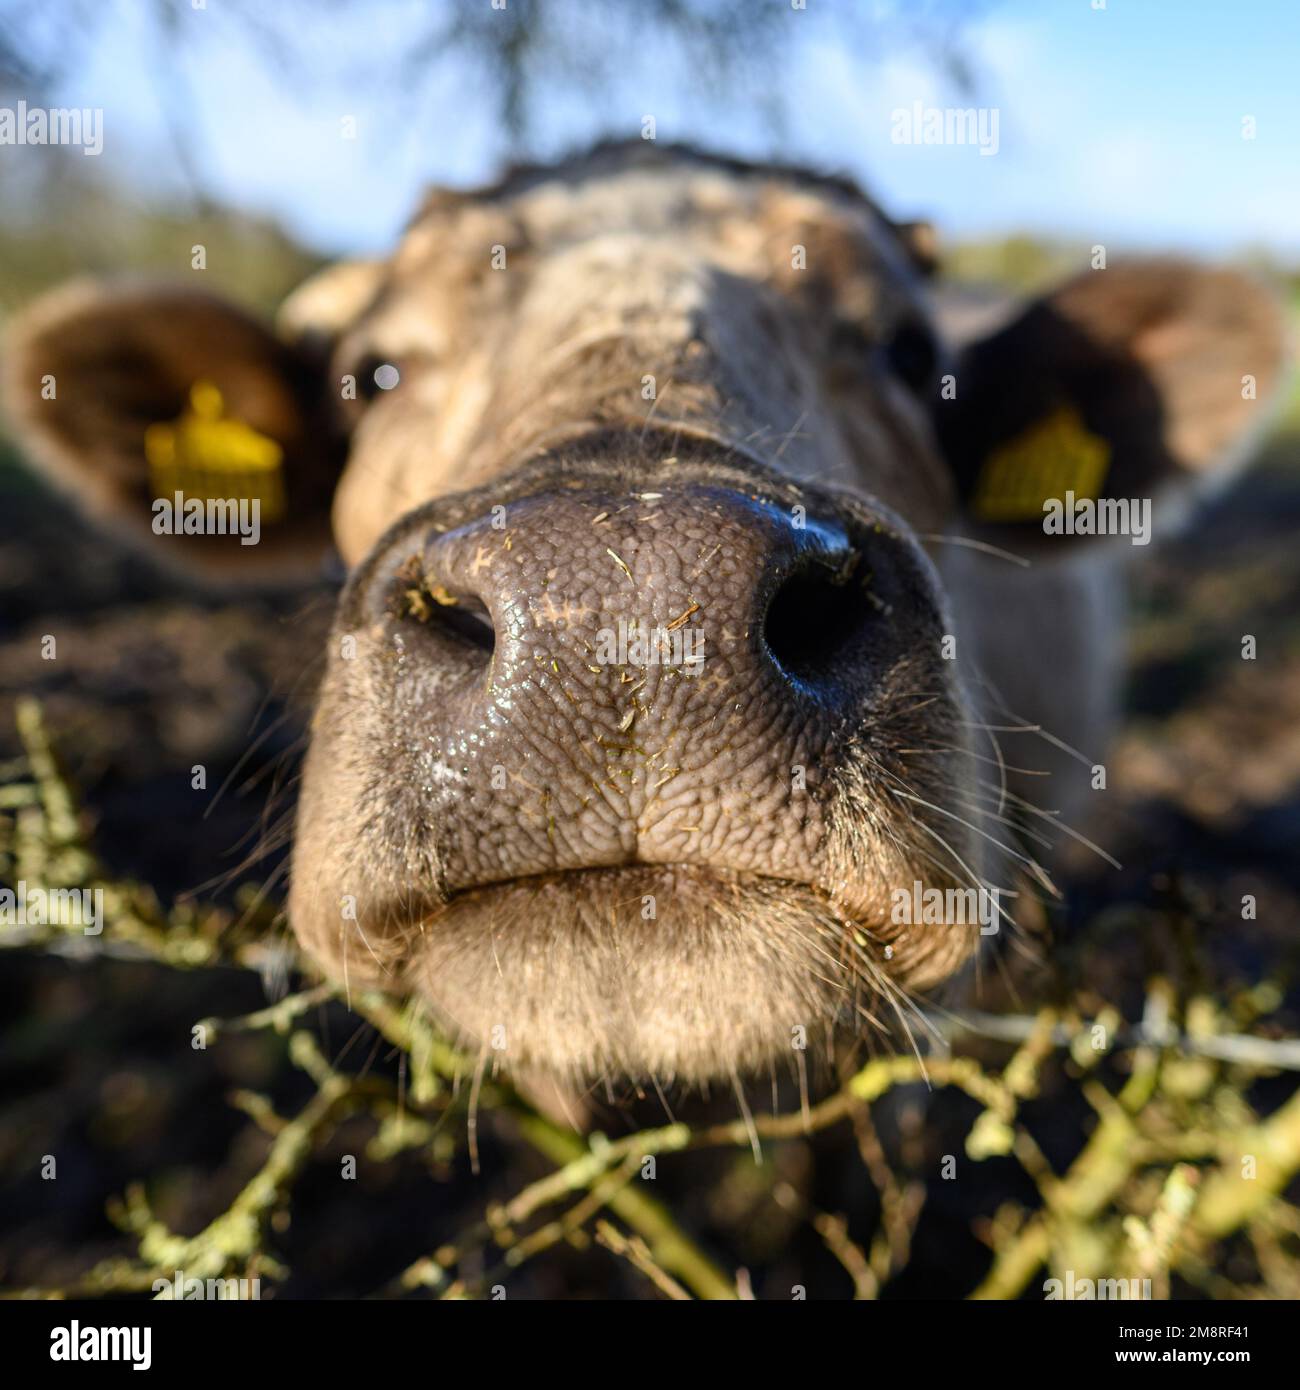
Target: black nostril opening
[(468, 619), (816, 621), (417, 598)]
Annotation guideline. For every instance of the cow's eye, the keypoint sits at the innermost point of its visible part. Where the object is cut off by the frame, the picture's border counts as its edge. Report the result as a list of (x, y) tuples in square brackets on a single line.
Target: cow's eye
[(375, 375), (849, 344), (912, 355)]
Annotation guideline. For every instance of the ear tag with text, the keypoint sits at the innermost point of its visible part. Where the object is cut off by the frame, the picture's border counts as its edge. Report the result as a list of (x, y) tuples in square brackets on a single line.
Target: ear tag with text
[(206, 454), (1055, 455)]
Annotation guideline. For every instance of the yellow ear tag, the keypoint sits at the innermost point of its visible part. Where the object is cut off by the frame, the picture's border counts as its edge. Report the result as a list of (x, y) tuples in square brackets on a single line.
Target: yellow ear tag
[(1055, 455), (204, 454)]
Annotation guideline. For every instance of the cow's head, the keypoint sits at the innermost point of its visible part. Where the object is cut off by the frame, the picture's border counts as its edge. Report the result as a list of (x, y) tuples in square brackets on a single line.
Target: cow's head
[(638, 713)]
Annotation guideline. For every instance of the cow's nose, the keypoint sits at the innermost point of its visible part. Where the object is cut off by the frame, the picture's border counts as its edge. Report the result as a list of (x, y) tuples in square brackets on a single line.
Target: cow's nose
[(631, 677), (666, 576)]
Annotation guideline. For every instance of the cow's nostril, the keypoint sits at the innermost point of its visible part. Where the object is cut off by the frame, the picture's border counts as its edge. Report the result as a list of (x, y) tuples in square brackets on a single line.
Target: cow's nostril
[(416, 598), (815, 621), (470, 620)]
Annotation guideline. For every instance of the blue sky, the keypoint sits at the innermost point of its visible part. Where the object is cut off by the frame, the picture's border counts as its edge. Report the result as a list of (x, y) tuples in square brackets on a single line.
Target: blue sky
[(1120, 125)]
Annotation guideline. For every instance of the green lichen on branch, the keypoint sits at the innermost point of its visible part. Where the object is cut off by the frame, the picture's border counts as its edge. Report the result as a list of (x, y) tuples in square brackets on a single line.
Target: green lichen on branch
[(1176, 1164)]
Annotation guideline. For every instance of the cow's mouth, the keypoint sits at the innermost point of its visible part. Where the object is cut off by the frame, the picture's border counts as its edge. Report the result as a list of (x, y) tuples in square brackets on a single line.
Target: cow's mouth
[(597, 879), (651, 970)]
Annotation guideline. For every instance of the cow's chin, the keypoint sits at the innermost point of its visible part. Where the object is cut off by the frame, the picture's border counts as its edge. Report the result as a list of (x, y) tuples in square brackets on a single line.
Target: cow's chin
[(658, 972)]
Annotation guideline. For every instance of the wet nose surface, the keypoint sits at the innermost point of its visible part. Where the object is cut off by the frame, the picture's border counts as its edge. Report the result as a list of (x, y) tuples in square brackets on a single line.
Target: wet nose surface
[(611, 678)]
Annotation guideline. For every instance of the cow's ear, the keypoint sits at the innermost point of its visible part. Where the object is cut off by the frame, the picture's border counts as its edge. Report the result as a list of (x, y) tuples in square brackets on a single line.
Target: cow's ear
[(180, 422), (1132, 382)]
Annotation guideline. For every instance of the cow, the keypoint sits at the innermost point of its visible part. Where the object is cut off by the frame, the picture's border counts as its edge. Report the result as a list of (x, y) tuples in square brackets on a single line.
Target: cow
[(722, 651)]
